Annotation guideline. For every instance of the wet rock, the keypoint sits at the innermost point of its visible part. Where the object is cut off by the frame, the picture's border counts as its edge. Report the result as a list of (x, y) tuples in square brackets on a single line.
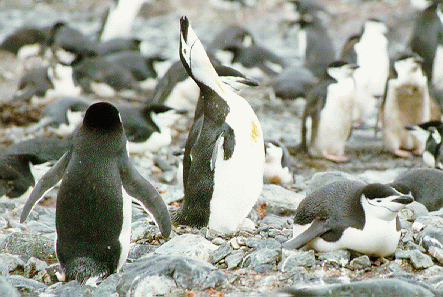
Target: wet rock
[(321, 179), (28, 245), (370, 287), (215, 280), (359, 263), (338, 258), (222, 252), (291, 259), (6, 289), (10, 263), (189, 245), (185, 272), (262, 258)]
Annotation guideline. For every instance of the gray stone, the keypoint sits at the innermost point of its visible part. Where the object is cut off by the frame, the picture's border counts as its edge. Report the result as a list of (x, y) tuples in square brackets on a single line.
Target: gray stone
[(369, 287), (28, 245), (291, 259), (186, 272), (420, 260), (26, 285), (234, 259), (108, 287), (11, 262), (437, 253), (359, 263), (70, 289), (279, 199), (269, 243), (35, 269), (338, 258), (430, 237), (429, 221), (138, 250), (262, 256), (6, 289), (216, 279), (321, 179), (274, 221), (222, 252), (155, 284), (189, 245)]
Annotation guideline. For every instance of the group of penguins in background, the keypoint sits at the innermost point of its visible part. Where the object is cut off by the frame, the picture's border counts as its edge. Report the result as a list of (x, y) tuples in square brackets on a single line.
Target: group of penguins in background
[(225, 159)]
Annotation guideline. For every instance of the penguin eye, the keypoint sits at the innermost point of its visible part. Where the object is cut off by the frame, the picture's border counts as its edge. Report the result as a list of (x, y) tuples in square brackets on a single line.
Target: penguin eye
[(378, 200), (184, 51)]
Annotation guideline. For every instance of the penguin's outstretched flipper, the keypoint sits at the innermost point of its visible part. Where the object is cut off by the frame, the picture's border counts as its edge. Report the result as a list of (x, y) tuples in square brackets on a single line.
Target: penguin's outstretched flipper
[(317, 228)]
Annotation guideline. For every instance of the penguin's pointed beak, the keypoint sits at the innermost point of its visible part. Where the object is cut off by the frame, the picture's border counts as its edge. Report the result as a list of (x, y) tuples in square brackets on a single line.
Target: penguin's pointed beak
[(404, 199), (184, 26)]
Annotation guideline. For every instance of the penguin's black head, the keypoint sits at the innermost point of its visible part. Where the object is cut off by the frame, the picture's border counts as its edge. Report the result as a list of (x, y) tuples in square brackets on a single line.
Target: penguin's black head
[(102, 116)]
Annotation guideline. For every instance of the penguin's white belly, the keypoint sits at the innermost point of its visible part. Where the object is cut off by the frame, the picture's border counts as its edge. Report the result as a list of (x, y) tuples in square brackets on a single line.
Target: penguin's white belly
[(238, 181), (335, 121), (437, 69), (378, 238)]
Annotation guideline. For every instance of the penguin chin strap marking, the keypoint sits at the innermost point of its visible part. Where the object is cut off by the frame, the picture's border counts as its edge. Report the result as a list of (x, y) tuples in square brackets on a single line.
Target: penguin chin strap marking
[(381, 206)]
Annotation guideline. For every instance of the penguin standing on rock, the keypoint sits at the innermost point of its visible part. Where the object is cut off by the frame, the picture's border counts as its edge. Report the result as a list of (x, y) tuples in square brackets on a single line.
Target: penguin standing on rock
[(349, 215), (327, 119), (406, 102), (226, 173), (93, 214)]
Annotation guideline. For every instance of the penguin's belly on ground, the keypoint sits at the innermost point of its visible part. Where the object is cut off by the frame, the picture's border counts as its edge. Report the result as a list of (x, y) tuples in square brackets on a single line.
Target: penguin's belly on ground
[(378, 238), (238, 181)]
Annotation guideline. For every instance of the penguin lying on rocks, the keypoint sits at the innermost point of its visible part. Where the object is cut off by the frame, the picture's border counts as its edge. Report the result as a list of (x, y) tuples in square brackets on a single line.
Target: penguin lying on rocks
[(226, 173), (349, 215), (93, 213)]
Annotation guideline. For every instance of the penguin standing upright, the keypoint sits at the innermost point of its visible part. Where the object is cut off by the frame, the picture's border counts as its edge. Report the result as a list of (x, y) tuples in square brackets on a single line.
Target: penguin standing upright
[(327, 119), (406, 102), (93, 214), (226, 173), (369, 51), (349, 215)]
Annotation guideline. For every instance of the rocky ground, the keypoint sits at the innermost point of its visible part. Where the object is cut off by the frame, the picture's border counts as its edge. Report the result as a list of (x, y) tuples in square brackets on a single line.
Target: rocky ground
[(250, 262)]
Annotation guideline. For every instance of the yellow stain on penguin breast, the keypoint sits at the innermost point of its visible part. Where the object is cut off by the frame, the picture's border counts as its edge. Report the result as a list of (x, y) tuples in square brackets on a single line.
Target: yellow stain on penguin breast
[(255, 132)]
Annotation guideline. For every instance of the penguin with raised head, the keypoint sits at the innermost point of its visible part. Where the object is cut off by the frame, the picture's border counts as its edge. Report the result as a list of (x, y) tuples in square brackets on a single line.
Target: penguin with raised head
[(424, 184), (349, 215), (327, 119), (406, 102), (93, 214), (226, 173)]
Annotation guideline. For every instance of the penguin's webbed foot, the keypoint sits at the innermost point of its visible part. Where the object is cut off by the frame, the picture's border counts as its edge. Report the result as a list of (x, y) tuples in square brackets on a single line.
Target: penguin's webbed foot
[(401, 153), (336, 158)]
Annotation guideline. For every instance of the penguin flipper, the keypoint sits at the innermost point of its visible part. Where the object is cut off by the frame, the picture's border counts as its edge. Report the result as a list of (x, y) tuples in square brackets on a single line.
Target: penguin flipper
[(317, 228), (146, 195), (217, 145), (227, 139), (47, 182)]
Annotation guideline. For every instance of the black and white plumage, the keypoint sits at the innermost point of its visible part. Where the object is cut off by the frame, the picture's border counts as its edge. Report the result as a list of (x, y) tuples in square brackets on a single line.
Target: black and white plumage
[(430, 136), (327, 119), (293, 82), (278, 164), (93, 214), (424, 184), (25, 41), (349, 215), (406, 102), (226, 174)]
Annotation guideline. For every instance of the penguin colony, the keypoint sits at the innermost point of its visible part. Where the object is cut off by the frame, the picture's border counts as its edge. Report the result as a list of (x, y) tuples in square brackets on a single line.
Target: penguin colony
[(226, 159)]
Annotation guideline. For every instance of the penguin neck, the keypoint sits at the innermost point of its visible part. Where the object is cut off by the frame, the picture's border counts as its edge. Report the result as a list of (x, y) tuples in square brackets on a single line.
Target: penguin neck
[(214, 106)]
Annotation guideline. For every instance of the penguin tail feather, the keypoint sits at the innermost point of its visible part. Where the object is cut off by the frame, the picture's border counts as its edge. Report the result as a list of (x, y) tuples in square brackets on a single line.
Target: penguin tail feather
[(83, 268)]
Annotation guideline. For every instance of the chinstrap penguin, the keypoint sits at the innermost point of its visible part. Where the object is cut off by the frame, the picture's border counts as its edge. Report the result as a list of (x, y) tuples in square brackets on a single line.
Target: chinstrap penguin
[(278, 167), (327, 119), (226, 174), (93, 213), (349, 215), (430, 136)]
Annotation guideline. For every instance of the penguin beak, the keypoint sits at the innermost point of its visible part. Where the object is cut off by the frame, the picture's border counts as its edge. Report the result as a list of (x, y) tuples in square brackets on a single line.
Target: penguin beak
[(404, 200)]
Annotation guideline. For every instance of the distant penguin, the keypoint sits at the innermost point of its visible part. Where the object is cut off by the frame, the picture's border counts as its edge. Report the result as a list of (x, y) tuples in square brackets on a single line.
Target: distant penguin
[(327, 119), (148, 128), (63, 115), (278, 167), (369, 50), (424, 184), (427, 42), (25, 41), (430, 136), (349, 215), (93, 213), (406, 102), (226, 174), (116, 45), (233, 34), (119, 18), (24, 162)]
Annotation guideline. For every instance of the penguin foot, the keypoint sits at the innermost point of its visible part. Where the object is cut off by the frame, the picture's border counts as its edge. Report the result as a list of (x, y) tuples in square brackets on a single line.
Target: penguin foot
[(336, 158), (417, 152), (401, 153)]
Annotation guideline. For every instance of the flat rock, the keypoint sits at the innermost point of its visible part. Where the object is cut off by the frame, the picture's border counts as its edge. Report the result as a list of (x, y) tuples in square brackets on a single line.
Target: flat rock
[(189, 245), (292, 259), (321, 179), (280, 199)]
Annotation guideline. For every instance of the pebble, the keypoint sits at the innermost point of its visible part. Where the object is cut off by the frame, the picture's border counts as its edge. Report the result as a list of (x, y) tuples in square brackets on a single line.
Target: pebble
[(360, 263), (291, 259)]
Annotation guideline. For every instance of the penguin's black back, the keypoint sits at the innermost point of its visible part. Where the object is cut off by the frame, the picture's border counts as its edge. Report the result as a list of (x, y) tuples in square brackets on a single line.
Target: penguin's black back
[(89, 214), (338, 203)]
